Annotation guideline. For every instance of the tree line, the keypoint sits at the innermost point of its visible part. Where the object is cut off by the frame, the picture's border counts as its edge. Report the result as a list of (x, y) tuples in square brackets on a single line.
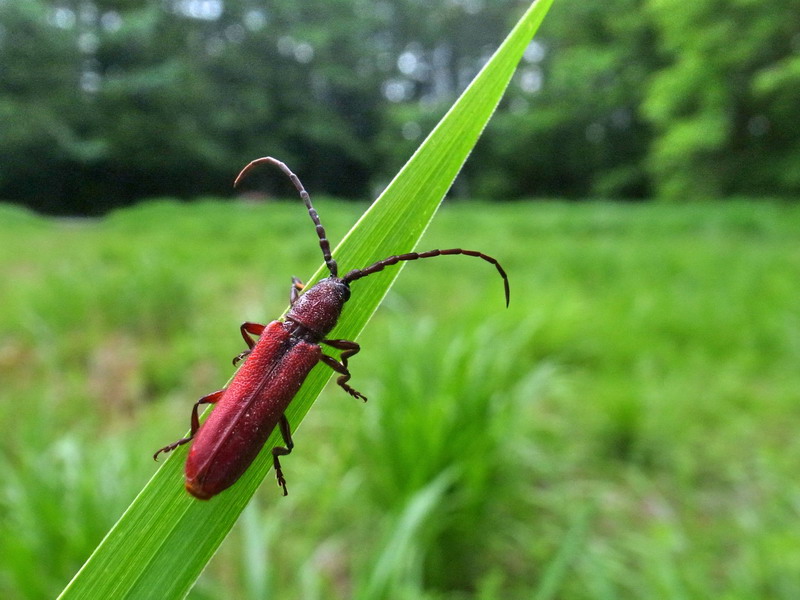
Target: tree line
[(104, 102)]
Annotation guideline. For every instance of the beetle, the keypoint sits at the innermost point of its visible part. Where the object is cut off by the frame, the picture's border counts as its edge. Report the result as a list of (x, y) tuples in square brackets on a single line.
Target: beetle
[(276, 365)]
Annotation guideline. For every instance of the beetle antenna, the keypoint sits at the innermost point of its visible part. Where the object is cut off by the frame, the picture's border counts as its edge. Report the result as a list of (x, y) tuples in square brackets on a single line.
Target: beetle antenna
[(393, 260), (323, 240)]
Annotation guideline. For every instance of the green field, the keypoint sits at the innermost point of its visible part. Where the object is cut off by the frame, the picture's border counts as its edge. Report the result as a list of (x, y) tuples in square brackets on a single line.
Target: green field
[(626, 429)]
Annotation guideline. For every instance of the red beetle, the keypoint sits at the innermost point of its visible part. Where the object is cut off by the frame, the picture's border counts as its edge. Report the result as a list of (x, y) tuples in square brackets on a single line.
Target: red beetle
[(247, 410)]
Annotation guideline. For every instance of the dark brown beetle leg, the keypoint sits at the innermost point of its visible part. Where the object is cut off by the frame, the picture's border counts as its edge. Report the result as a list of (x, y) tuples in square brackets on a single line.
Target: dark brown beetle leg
[(208, 399), (294, 293), (349, 349), (247, 328), (277, 451)]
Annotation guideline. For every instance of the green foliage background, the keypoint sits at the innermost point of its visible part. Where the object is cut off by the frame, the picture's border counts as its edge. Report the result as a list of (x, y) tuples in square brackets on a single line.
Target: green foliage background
[(105, 102), (626, 429)]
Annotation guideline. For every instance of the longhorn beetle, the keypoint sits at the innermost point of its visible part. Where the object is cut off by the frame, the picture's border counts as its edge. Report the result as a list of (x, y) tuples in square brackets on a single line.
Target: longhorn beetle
[(248, 409)]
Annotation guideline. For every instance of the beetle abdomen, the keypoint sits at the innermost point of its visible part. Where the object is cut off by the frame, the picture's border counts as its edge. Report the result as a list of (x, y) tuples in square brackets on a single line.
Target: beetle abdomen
[(239, 425)]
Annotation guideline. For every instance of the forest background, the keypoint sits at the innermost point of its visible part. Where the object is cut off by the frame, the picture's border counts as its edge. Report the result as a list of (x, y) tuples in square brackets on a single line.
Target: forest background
[(106, 102)]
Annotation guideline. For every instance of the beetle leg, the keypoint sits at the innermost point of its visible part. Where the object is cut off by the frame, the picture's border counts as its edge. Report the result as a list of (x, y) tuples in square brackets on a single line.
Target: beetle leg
[(247, 328), (349, 349), (294, 293), (208, 399), (277, 451)]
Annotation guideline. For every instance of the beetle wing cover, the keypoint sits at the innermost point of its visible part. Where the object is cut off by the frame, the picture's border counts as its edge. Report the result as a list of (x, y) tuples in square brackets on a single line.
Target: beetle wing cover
[(236, 430)]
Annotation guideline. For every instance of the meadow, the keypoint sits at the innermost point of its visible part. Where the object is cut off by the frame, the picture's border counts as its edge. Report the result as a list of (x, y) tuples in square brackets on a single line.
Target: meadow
[(625, 429)]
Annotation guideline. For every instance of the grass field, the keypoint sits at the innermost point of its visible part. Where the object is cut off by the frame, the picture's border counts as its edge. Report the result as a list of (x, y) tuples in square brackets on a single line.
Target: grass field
[(626, 429)]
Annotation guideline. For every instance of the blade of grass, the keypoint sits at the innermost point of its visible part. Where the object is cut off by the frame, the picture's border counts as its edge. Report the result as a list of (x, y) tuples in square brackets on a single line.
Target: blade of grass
[(165, 538), (401, 551), (557, 571)]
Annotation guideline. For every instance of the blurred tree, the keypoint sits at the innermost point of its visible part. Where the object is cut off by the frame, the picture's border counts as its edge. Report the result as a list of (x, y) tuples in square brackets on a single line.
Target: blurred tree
[(40, 115), (145, 98), (570, 126), (103, 102), (724, 107), (173, 96), (428, 63)]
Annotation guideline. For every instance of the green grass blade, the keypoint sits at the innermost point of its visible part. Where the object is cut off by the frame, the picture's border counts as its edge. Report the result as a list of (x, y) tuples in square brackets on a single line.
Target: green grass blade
[(556, 572), (163, 541)]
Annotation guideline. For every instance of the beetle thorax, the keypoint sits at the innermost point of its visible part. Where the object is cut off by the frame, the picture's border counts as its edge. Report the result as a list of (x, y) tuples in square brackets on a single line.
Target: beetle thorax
[(318, 309)]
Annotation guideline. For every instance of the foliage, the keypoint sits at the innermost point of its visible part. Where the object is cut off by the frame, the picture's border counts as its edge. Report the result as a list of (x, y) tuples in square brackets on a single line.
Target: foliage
[(722, 119), (103, 103), (580, 132), (173, 97)]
